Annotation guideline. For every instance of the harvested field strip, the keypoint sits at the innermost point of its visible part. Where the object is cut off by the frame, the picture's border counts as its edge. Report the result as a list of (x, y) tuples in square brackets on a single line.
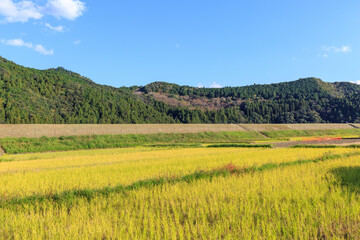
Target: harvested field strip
[(69, 196), (301, 126), (57, 130)]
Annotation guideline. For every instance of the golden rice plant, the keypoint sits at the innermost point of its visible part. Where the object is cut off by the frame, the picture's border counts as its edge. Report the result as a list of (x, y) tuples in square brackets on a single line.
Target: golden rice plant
[(310, 201), (107, 168)]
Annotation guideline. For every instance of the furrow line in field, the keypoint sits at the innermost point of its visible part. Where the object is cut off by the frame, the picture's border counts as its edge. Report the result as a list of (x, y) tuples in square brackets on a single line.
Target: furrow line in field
[(69, 197)]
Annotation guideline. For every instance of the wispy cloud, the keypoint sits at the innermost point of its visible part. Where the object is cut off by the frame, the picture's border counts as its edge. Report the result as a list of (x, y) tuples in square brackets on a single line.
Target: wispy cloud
[(40, 49), (55, 29), (328, 50), (76, 42), (17, 43), (343, 49), (21, 43), (213, 85), (23, 11)]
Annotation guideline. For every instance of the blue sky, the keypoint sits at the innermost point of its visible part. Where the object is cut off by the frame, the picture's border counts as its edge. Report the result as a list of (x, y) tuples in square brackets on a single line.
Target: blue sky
[(189, 42)]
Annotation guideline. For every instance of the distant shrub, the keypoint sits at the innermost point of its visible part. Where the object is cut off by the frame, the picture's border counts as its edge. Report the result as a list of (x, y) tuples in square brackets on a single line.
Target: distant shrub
[(240, 145)]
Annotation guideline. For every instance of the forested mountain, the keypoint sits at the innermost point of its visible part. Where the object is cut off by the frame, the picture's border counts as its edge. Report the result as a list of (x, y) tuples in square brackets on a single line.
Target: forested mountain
[(61, 96)]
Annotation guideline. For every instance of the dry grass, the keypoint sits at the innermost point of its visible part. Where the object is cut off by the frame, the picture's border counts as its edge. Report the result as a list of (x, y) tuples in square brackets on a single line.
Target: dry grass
[(310, 126), (57, 130)]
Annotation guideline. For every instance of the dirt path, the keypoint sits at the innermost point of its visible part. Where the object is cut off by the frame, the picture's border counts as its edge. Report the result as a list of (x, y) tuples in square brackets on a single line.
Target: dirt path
[(340, 142)]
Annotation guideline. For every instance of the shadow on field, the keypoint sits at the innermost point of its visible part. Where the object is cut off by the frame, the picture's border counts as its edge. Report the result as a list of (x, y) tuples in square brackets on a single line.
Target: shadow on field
[(349, 177)]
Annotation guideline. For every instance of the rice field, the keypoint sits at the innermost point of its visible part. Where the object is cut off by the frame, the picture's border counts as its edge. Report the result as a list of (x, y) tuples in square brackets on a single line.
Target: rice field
[(188, 193)]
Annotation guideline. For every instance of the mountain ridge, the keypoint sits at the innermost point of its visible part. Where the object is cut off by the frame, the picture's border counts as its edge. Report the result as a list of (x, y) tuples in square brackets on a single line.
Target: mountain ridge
[(58, 95)]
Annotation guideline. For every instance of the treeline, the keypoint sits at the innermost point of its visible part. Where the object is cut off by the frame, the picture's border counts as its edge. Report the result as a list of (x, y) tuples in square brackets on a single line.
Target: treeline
[(61, 96), (307, 100)]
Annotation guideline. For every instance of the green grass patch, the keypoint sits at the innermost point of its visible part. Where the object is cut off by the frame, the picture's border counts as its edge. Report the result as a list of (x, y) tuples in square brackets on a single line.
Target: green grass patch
[(311, 133), (174, 145), (315, 146), (235, 145), (46, 144)]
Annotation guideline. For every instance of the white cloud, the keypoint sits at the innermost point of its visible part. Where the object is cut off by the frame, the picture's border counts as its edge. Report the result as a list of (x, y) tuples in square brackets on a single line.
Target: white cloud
[(19, 11), (69, 9), (23, 11), (215, 85), (76, 42), (17, 43), (56, 29), (21, 43), (177, 45), (40, 49), (343, 49)]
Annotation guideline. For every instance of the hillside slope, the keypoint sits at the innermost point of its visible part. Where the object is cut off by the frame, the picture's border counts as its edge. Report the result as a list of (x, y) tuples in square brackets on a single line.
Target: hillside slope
[(61, 96), (308, 100)]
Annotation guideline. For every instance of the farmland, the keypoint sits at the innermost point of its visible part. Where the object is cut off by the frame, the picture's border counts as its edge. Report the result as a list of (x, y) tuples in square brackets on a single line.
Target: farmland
[(183, 185), (181, 193), (58, 130), (180, 140)]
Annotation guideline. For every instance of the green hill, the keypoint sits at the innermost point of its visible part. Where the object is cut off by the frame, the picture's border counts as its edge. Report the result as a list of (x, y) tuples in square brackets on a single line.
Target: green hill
[(61, 96)]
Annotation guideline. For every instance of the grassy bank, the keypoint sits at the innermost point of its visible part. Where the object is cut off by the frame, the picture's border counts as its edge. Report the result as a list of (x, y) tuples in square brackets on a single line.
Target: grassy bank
[(45, 144), (237, 145), (311, 133)]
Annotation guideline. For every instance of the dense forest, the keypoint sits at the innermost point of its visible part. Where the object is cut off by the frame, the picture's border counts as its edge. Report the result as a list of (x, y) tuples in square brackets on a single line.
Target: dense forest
[(61, 96)]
